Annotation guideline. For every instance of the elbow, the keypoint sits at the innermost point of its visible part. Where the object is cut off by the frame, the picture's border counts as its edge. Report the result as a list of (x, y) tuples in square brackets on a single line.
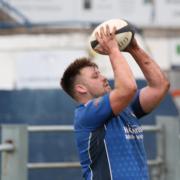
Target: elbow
[(133, 89), (166, 85), (127, 91), (130, 91)]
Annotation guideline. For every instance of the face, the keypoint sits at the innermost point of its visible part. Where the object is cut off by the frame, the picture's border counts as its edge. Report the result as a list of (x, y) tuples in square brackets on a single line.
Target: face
[(93, 82)]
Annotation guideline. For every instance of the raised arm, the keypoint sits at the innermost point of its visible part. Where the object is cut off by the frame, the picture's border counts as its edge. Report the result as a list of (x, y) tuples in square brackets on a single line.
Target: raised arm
[(158, 85), (125, 84)]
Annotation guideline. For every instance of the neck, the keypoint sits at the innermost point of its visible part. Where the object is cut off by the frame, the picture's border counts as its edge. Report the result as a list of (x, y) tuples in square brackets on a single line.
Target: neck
[(84, 99)]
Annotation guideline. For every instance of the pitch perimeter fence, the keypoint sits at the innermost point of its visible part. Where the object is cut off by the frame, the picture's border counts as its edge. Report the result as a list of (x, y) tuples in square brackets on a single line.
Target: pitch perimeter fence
[(14, 150)]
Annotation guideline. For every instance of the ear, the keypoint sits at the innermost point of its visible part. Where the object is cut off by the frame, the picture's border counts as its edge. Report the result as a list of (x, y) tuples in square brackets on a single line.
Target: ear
[(80, 88)]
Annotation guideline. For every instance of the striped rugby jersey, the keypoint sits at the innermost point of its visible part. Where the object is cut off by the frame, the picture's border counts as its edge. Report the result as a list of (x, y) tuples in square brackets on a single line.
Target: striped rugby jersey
[(110, 147)]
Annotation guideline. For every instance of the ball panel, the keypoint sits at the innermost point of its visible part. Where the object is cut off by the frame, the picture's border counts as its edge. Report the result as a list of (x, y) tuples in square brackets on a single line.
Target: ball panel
[(123, 40), (118, 23), (124, 33)]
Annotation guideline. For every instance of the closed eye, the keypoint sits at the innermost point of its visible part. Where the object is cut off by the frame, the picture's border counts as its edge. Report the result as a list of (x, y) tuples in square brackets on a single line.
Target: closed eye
[(95, 75)]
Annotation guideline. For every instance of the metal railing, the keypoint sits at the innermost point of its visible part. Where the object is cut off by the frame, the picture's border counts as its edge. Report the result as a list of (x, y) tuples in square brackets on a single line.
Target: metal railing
[(147, 128), (14, 148), (14, 152), (51, 128), (70, 128), (7, 147), (53, 165)]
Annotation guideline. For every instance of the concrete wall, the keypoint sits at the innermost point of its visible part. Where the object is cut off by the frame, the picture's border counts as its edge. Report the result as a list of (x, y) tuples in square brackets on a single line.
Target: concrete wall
[(38, 61)]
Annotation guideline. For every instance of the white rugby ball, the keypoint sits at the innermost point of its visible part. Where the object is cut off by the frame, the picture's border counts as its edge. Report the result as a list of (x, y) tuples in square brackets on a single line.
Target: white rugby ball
[(124, 33)]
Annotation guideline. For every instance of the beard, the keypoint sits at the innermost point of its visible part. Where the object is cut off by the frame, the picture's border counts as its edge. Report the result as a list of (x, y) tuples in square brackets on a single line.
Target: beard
[(99, 93)]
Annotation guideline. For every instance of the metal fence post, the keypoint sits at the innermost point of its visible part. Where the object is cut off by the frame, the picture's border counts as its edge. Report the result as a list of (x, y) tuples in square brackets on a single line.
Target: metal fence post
[(171, 127), (14, 163)]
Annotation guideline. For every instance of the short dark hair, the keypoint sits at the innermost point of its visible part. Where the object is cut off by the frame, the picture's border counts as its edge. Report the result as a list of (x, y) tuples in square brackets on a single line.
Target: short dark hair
[(71, 72)]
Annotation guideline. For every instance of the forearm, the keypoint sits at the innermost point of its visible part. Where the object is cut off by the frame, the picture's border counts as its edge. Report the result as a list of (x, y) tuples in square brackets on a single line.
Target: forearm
[(123, 75), (152, 72), (158, 85)]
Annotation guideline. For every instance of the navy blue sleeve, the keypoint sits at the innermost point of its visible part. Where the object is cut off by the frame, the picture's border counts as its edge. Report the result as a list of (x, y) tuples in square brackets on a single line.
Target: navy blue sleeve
[(96, 113), (136, 106)]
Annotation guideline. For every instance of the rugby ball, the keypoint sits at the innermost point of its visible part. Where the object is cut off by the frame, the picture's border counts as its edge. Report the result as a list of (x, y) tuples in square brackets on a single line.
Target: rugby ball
[(124, 33)]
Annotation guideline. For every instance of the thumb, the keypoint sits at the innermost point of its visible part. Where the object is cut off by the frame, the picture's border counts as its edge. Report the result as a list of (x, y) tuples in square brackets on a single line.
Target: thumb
[(100, 50)]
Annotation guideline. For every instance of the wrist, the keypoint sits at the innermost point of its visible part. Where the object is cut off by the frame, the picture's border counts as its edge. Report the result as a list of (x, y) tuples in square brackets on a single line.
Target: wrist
[(135, 50), (114, 50)]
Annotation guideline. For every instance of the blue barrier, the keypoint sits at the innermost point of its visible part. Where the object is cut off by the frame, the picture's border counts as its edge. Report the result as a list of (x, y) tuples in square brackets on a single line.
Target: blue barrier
[(50, 107)]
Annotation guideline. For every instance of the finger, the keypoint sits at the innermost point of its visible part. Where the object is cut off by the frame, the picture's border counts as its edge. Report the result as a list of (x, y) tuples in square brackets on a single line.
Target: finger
[(97, 35), (108, 30), (102, 32), (100, 50), (114, 31)]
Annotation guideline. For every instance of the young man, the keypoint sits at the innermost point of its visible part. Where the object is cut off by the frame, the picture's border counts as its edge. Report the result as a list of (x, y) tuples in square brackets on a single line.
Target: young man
[(109, 137)]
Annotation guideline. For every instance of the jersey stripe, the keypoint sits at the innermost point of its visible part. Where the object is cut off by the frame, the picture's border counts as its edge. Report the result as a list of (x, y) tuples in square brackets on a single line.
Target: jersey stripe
[(108, 155), (89, 142), (100, 168)]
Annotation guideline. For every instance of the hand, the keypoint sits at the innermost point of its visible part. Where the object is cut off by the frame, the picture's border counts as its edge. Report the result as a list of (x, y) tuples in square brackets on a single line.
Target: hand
[(107, 41), (133, 46)]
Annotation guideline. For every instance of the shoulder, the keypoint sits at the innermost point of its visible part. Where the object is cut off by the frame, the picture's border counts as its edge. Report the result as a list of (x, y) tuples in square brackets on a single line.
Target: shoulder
[(94, 113)]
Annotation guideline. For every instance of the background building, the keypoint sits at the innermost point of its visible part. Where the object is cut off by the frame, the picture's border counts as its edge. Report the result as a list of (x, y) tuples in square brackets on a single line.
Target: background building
[(38, 39)]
